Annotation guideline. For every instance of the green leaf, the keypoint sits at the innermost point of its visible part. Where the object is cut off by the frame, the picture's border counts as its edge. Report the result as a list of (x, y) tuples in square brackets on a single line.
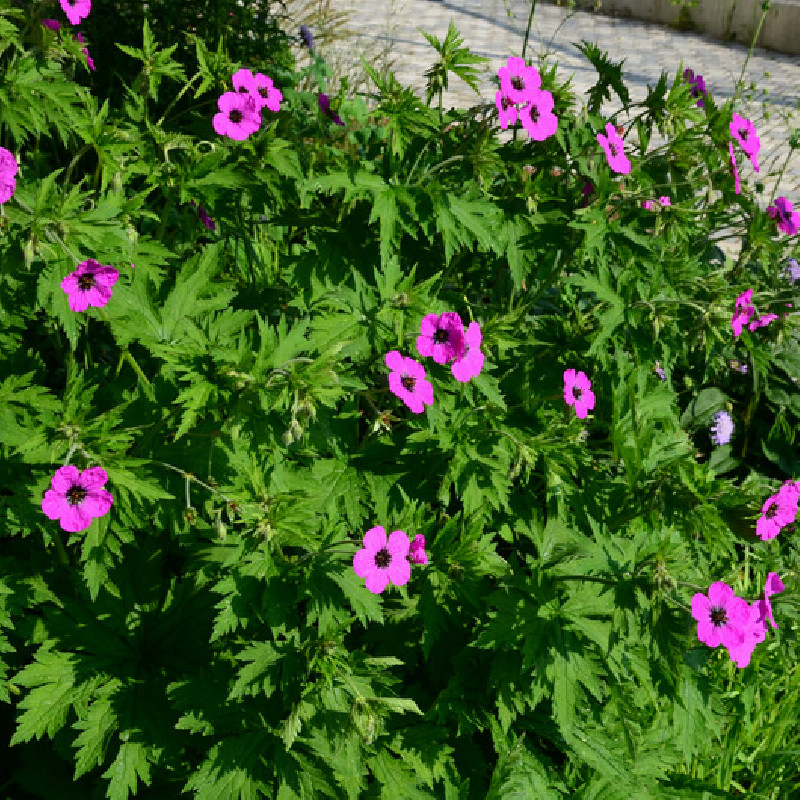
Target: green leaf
[(128, 768)]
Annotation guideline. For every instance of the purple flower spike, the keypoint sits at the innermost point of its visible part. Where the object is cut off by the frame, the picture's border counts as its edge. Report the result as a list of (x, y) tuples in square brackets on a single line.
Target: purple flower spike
[(614, 147), (383, 561), (698, 86), (721, 616), (470, 364), (722, 429), (325, 107), (783, 213), (76, 497), (578, 392), (89, 285), (407, 381), (306, 37), (441, 337)]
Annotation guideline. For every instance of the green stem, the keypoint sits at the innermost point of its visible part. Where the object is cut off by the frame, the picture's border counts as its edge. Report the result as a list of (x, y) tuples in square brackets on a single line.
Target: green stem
[(764, 10), (525, 45), (780, 175)]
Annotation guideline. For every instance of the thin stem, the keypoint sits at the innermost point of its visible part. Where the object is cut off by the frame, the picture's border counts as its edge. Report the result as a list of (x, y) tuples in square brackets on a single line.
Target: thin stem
[(780, 175), (525, 47), (190, 477), (764, 9)]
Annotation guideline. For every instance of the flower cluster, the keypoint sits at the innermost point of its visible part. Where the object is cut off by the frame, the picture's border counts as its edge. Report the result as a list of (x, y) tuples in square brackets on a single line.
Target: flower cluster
[(614, 147), (8, 175), (521, 96), (384, 560), (725, 619), (76, 497), (783, 213), (89, 285), (240, 110), (649, 205), (743, 314), (722, 429), (698, 86), (778, 511)]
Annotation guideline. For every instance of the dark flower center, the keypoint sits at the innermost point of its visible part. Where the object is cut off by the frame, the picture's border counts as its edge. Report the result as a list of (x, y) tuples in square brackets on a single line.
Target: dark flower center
[(743, 133), (771, 511), (612, 146), (517, 83), (718, 616), (76, 494), (263, 91), (242, 90), (408, 382), (441, 336), (85, 282), (383, 558), (577, 393), (235, 115), (534, 113)]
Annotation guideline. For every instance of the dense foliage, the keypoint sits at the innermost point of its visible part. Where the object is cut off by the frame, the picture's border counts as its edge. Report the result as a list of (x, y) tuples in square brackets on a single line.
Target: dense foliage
[(206, 633)]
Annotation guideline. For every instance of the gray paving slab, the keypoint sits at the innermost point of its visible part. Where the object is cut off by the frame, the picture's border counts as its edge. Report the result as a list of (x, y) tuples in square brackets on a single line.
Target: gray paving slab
[(495, 29)]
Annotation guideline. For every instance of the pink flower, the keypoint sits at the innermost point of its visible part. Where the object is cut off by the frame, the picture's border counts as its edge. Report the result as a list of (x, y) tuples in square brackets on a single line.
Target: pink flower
[(778, 511), (417, 553), (742, 312), (89, 60), (325, 107), (470, 364), (89, 285), (537, 115), (441, 337), (76, 10), (380, 561), (735, 168), (238, 115), (578, 392), (773, 585), (762, 322), (506, 110), (76, 497), (52, 24), (721, 617), (614, 146), (745, 133), (259, 87), (754, 631), (8, 171), (788, 219), (407, 381), (517, 79), (650, 206), (204, 218)]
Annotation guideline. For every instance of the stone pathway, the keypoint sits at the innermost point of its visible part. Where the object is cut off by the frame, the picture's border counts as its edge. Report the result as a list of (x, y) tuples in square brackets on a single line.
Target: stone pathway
[(495, 29)]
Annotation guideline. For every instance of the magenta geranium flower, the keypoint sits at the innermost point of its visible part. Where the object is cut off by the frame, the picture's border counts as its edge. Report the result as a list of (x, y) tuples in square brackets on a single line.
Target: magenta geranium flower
[(89, 285), (416, 553), (784, 214), (382, 561), (745, 133), (471, 363), (734, 168), (722, 617), (238, 115), (76, 10), (517, 79), (578, 392), (506, 110), (89, 59), (77, 497), (754, 630), (407, 381), (8, 171), (537, 115), (742, 312), (269, 95), (204, 217), (762, 322), (441, 337), (778, 511), (773, 585), (698, 85), (614, 147), (52, 24), (662, 201)]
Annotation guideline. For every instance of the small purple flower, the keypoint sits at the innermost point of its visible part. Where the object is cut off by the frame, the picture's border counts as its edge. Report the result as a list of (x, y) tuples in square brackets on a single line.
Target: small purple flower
[(417, 554), (470, 364), (745, 133), (407, 381), (306, 37), (325, 107), (52, 24), (204, 217), (578, 392), (441, 337), (792, 270), (614, 147), (383, 561), (783, 213), (722, 429), (89, 285), (77, 497), (659, 370), (698, 85)]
